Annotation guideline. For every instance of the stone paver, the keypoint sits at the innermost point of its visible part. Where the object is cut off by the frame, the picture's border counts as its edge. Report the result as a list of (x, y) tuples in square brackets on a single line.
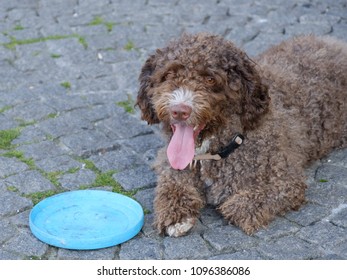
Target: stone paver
[(68, 84)]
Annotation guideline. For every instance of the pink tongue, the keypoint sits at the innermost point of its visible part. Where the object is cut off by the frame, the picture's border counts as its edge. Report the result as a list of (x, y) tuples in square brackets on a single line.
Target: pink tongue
[(180, 151)]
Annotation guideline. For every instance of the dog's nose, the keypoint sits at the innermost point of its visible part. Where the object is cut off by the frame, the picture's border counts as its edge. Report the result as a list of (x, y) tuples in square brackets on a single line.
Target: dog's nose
[(180, 112)]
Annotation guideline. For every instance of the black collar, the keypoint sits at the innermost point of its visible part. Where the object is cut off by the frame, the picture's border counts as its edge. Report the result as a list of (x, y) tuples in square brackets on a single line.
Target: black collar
[(225, 152), (232, 146)]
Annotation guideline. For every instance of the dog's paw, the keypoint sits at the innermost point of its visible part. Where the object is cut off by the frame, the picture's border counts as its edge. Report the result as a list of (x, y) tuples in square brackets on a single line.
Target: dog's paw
[(181, 228)]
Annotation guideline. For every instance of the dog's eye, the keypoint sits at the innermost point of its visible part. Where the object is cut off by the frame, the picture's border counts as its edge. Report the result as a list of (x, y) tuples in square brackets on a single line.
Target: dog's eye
[(210, 80)]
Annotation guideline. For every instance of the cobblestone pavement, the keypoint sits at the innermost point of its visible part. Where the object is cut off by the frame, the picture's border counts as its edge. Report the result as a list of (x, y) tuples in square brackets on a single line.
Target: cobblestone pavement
[(68, 81)]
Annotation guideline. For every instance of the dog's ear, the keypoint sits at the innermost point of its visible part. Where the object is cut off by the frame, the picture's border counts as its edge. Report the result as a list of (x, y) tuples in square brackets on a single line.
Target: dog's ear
[(255, 97), (244, 78), (144, 96)]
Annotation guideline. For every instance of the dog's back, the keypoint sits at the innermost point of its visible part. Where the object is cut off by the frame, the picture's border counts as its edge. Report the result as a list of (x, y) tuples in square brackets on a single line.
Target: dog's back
[(308, 82)]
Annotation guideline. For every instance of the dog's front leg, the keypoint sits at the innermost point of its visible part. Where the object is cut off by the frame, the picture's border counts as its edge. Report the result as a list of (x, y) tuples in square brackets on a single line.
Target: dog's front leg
[(178, 202)]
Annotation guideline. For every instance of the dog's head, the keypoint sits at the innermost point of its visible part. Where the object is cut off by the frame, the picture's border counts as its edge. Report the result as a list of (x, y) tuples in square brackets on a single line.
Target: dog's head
[(194, 84)]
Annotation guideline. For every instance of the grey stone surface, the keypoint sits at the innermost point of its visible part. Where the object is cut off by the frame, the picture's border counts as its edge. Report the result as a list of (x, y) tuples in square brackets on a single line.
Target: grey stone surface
[(39, 151), (323, 234), (228, 238), (119, 159), (68, 77), (290, 248), (249, 254), (10, 166), (187, 247), (11, 203), (339, 216), (24, 241), (136, 178), (308, 214), (64, 254), (146, 198), (278, 228), (141, 248), (88, 142), (61, 163), (28, 182), (77, 180)]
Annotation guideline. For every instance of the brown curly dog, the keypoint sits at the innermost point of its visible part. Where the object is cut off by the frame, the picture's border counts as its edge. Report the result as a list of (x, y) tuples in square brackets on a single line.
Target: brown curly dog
[(249, 128)]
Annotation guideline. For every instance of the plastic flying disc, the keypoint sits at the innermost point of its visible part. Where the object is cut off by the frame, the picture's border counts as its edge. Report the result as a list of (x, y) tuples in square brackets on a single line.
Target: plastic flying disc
[(86, 219)]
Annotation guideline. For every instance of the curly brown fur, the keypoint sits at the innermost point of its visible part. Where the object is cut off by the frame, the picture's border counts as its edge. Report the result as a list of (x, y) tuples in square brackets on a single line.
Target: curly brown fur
[(289, 103)]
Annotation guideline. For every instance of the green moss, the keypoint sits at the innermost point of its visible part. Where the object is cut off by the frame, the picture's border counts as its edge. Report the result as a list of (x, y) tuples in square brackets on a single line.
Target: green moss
[(83, 41), (323, 181), (53, 177), (100, 21), (20, 156), (33, 258), (66, 85), (18, 27), (84, 187), (73, 170), (88, 165), (12, 189), (24, 123), (129, 46), (146, 211), (5, 108), (96, 21), (128, 105), (109, 26), (49, 137), (54, 55), (38, 196), (104, 179), (7, 136), (15, 42), (51, 115)]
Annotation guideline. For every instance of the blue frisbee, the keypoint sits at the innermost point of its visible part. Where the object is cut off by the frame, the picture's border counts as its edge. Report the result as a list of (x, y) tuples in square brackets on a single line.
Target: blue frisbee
[(86, 219)]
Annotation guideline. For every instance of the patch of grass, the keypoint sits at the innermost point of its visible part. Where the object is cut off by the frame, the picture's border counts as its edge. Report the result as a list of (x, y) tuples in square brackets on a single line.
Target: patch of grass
[(18, 27), (53, 177), (82, 41), (12, 189), (38, 196), (129, 46), (146, 211), (20, 156), (73, 170), (33, 258), (128, 105), (66, 85), (24, 123), (323, 181), (104, 179), (84, 187), (51, 116), (7, 136), (96, 21), (49, 137), (100, 21), (88, 165), (15, 42), (55, 55), (5, 108)]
